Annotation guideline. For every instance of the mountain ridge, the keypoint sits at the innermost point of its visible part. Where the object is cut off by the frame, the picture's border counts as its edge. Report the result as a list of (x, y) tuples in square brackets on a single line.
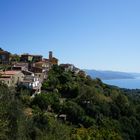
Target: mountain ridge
[(108, 74)]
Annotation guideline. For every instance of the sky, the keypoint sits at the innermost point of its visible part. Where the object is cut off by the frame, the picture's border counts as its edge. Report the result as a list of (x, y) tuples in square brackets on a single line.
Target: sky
[(91, 34)]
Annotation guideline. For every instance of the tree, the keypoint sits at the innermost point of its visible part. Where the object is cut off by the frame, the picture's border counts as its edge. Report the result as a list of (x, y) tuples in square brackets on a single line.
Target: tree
[(15, 58), (74, 111), (44, 100)]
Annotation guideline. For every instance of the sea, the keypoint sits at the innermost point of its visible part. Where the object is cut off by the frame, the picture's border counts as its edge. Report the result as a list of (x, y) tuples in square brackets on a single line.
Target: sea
[(125, 83)]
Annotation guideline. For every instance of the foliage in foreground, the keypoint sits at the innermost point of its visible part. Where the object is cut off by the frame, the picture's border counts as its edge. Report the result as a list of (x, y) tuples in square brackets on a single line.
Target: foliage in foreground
[(72, 107)]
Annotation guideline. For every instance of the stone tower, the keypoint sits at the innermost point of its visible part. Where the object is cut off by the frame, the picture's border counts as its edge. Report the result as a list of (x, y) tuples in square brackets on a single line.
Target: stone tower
[(50, 55)]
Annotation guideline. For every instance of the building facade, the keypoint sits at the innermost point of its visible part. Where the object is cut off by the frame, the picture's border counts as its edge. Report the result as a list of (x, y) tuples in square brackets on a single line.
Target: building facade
[(4, 57), (11, 78), (31, 58), (52, 60), (32, 82)]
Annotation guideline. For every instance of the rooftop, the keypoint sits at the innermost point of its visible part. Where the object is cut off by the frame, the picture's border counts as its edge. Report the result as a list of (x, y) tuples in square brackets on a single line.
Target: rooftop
[(4, 52), (31, 55), (21, 64), (40, 62), (11, 72)]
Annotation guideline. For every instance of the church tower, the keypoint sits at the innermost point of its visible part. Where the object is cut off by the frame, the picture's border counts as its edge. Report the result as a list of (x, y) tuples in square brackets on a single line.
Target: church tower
[(50, 55)]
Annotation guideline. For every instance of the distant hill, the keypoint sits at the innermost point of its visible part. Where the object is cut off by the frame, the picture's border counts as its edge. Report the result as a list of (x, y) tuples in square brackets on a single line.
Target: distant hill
[(106, 75)]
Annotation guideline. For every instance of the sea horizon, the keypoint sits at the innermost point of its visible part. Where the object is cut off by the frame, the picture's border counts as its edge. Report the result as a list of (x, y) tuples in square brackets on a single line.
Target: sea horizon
[(132, 83)]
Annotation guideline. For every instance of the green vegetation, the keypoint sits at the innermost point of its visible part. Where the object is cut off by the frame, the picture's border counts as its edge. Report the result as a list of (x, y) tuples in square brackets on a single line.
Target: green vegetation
[(14, 58), (5, 67), (70, 107)]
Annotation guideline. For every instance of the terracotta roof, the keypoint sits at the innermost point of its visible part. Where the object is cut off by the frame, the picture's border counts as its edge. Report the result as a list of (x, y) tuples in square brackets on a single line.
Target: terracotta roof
[(9, 72), (5, 78), (40, 62)]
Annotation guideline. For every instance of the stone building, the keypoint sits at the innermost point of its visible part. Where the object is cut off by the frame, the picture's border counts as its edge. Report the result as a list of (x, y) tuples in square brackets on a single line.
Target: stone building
[(52, 60), (32, 82), (4, 57), (31, 58), (11, 78)]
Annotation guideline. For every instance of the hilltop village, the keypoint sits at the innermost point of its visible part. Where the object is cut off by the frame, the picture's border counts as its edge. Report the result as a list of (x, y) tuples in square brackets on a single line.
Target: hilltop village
[(28, 70), (41, 99)]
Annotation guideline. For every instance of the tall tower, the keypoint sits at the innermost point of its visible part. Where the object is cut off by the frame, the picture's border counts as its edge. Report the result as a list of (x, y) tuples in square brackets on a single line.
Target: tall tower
[(50, 55)]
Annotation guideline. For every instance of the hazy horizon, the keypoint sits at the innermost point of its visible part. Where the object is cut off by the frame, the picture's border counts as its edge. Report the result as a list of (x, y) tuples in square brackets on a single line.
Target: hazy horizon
[(91, 34)]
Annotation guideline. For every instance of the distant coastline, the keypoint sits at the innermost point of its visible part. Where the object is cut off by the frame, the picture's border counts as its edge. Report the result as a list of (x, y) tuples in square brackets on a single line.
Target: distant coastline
[(124, 83), (111, 75)]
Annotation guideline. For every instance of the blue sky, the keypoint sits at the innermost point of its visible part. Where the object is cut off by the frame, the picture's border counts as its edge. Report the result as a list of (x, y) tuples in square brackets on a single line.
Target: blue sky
[(93, 34)]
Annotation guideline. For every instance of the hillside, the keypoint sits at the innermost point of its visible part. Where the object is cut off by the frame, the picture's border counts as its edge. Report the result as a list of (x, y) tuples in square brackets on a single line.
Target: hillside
[(70, 107), (107, 75)]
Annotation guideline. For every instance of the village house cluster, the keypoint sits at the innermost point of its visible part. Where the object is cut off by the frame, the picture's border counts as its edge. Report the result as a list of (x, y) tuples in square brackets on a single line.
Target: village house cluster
[(29, 70), (26, 69)]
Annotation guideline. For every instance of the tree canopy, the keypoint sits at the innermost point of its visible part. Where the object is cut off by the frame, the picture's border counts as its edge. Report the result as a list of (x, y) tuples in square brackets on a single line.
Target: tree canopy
[(70, 107)]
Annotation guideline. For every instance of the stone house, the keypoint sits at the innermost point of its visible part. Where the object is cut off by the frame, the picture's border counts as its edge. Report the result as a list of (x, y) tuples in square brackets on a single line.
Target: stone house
[(30, 58), (42, 64), (67, 67), (40, 73), (21, 66), (37, 58), (52, 60), (4, 57), (26, 58), (11, 78), (32, 82)]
